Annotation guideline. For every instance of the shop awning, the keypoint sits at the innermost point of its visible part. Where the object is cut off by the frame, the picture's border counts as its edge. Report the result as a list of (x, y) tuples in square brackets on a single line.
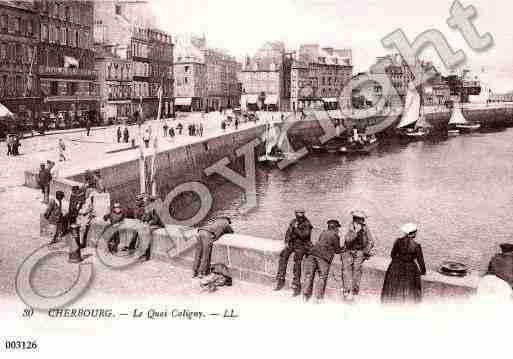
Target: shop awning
[(329, 99), (271, 100), (4, 111), (251, 98), (184, 101)]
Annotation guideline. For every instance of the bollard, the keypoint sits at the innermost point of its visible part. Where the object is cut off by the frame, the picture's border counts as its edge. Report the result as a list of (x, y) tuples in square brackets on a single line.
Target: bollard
[(75, 255)]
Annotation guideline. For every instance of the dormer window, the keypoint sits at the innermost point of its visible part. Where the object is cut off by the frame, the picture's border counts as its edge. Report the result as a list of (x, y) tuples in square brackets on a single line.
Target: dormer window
[(118, 9)]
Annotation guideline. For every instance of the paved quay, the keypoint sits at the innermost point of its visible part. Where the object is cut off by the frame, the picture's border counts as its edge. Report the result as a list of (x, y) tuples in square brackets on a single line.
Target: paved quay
[(21, 208)]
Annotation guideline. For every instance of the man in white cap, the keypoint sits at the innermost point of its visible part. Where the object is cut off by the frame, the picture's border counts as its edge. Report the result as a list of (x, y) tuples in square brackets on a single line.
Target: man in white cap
[(358, 247)]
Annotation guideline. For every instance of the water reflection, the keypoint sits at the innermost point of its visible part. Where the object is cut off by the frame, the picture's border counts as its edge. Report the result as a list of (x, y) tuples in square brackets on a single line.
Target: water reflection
[(458, 190)]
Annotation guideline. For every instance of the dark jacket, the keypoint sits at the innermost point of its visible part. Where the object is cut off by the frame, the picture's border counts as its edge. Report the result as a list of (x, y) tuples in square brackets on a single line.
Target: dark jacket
[(299, 233), (53, 212), (151, 217), (76, 201), (218, 228), (501, 265), (114, 217), (327, 246), (359, 241), (44, 177)]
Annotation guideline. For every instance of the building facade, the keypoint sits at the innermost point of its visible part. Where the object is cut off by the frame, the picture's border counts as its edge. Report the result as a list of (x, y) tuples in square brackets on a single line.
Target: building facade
[(205, 78), (19, 36), (114, 85), (262, 79), (318, 78), (126, 27), (66, 62)]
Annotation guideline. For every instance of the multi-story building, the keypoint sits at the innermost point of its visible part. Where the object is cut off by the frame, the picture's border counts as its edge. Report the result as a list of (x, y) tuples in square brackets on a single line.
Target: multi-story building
[(114, 85), (263, 80), (19, 35), (66, 61), (318, 78), (206, 78), (126, 27)]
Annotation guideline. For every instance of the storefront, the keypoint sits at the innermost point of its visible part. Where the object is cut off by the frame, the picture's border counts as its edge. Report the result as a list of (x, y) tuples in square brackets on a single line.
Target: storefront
[(271, 102), (69, 113), (330, 103)]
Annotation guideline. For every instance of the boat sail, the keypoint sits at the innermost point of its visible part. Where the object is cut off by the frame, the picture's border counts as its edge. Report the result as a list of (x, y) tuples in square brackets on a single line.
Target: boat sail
[(457, 117), (411, 109)]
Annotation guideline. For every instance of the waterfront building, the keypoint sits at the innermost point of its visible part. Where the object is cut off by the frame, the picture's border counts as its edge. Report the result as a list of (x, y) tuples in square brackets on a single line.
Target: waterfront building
[(114, 85), (19, 36), (66, 62), (206, 78), (318, 77), (127, 29), (498, 98), (263, 80)]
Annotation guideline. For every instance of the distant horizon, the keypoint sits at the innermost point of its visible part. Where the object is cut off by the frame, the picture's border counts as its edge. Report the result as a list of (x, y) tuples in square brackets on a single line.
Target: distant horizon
[(359, 25)]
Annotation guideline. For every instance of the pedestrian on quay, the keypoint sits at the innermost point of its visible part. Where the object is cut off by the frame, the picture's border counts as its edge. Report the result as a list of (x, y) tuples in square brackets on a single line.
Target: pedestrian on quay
[(402, 279), (297, 241), (126, 135), (201, 129), (179, 127), (119, 134), (115, 217), (165, 128), (44, 180), (358, 247), (55, 217), (9, 143), (319, 260), (223, 125), (76, 201), (171, 132), (16, 145), (62, 150), (146, 138), (88, 127), (236, 123), (150, 219), (205, 240)]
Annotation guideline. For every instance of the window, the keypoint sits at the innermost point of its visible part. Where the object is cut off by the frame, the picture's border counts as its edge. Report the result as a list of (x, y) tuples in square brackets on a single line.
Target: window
[(30, 28), (44, 32), (118, 9), (54, 88), (72, 88), (67, 14), (3, 22), (3, 51), (77, 42), (16, 24), (63, 36)]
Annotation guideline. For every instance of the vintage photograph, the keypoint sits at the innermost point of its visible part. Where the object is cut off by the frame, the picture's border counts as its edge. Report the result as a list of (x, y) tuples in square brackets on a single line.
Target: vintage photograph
[(221, 162)]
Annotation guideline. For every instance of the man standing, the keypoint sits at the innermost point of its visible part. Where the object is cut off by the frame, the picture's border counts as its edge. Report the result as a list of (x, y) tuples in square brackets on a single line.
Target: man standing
[(297, 241), (55, 216), (319, 260), (119, 134), (358, 247), (165, 128), (44, 182), (152, 219), (205, 240)]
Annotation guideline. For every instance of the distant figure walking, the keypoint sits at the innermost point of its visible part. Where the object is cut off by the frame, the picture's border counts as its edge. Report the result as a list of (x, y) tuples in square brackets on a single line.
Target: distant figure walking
[(201, 129), (171, 132), (402, 278), (126, 135), (62, 150), (165, 128), (44, 182), (236, 123), (179, 127), (88, 127), (119, 134), (54, 216), (146, 138), (223, 125)]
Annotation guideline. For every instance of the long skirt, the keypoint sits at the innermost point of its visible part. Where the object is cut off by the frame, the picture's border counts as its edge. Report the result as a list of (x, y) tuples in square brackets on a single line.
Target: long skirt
[(402, 283)]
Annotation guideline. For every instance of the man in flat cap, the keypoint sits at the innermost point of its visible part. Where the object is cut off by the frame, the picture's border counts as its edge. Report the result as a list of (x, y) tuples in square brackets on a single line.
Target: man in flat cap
[(297, 241), (319, 260), (501, 265), (205, 240), (358, 247)]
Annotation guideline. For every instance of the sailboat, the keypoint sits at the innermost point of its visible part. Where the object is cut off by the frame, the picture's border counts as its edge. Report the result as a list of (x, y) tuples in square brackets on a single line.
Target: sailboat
[(413, 124), (459, 124), (272, 153)]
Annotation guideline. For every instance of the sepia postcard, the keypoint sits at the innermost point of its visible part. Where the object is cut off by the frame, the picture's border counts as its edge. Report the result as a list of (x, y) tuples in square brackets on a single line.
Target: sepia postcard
[(263, 178)]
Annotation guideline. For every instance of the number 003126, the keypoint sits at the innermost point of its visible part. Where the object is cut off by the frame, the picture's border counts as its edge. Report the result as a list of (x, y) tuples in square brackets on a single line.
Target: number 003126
[(20, 344)]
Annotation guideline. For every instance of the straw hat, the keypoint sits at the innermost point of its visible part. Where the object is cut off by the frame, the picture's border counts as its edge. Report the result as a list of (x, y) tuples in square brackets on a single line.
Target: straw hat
[(409, 228)]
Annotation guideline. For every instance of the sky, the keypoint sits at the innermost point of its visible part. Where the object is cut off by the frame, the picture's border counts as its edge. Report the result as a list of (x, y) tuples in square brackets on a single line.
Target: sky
[(243, 26)]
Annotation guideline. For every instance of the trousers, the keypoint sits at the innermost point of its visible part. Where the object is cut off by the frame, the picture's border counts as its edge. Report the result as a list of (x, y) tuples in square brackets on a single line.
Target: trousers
[(203, 253), (352, 270), (299, 253), (313, 266)]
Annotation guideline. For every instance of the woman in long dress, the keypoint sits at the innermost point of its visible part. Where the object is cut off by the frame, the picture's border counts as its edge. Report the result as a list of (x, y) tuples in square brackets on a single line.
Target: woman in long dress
[(402, 279)]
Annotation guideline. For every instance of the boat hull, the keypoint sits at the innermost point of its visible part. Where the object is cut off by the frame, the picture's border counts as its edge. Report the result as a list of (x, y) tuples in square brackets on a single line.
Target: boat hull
[(359, 151)]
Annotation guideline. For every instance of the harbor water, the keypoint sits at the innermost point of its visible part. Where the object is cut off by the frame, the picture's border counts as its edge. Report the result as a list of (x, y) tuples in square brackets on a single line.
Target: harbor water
[(458, 190)]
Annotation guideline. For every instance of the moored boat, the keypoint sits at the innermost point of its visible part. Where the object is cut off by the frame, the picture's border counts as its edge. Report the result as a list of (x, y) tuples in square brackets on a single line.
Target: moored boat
[(459, 124), (360, 147)]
